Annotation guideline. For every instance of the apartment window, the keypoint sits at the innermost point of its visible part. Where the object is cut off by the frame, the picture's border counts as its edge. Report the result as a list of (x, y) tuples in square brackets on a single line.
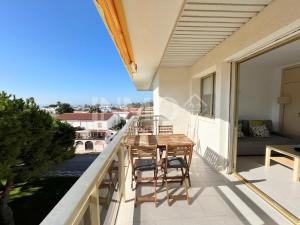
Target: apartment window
[(208, 95)]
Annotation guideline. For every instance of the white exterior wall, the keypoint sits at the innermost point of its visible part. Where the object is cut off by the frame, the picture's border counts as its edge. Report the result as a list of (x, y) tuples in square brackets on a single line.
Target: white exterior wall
[(114, 120), (121, 114), (96, 124), (175, 86), (177, 91), (211, 134), (171, 97), (98, 145)]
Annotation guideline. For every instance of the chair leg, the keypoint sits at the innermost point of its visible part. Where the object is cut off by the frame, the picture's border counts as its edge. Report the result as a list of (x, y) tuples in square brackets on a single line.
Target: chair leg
[(183, 175), (168, 194), (164, 176), (137, 183), (155, 184), (188, 177), (186, 191), (132, 178)]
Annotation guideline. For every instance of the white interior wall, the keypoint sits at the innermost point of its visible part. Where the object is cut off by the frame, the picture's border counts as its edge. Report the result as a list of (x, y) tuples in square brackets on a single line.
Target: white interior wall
[(258, 93)]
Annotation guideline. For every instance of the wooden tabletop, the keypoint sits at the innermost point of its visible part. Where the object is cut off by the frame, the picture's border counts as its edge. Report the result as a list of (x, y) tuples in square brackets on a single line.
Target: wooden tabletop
[(284, 149), (159, 140)]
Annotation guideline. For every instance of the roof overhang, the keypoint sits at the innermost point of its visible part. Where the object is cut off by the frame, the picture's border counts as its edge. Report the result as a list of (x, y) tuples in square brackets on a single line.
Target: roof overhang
[(170, 33), (113, 16), (147, 26)]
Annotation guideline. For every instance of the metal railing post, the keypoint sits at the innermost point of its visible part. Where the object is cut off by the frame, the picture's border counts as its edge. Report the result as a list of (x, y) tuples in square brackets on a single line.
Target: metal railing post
[(94, 209), (121, 172)]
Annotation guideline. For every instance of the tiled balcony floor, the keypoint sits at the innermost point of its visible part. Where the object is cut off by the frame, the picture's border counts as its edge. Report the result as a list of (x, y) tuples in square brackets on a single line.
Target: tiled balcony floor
[(275, 180), (216, 199)]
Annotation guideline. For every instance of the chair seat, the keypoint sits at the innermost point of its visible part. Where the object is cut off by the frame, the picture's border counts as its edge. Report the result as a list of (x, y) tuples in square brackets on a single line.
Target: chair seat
[(177, 162), (145, 164)]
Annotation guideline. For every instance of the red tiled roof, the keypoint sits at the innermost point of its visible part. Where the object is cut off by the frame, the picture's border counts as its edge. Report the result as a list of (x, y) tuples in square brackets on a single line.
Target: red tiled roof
[(133, 109), (85, 116), (120, 110), (126, 110)]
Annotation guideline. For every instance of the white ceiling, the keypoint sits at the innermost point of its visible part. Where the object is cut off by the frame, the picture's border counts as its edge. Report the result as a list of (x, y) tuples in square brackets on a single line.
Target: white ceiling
[(282, 56), (180, 32), (203, 24)]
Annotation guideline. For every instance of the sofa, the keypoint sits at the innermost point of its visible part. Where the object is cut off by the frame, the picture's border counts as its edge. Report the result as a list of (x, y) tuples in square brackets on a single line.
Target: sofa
[(249, 145)]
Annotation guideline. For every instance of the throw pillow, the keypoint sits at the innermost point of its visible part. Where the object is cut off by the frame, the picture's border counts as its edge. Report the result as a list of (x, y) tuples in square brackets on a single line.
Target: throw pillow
[(256, 122), (259, 131)]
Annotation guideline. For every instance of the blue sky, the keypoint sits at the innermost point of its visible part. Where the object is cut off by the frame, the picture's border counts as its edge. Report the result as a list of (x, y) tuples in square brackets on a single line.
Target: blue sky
[(59, 50)]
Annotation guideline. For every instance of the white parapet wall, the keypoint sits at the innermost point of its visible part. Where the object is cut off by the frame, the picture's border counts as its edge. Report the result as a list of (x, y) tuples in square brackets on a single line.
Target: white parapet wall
[(82, 200)]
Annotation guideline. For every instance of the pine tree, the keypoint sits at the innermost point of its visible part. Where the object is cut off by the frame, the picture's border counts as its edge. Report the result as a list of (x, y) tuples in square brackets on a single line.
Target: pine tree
[(30, 141)]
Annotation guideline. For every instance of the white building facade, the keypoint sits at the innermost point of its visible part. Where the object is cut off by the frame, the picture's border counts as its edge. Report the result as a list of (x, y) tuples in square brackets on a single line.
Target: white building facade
[(93, 132)]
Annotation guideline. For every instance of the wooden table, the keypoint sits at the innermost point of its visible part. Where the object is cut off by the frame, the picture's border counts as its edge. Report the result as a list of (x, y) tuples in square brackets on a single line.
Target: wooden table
[(159, 140), (286, 150)]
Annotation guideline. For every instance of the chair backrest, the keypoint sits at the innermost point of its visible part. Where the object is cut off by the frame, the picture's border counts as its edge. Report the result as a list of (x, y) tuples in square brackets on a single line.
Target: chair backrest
[(183, 150), (137, 152), (165, 129), (145, 130)]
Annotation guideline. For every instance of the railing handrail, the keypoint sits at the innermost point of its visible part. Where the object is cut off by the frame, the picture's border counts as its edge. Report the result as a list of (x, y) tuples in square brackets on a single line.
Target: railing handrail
[(69, 209)]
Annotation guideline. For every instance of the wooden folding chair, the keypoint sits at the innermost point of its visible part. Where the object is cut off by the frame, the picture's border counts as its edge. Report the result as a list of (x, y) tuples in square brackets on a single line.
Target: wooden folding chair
[(145, 126), (109, 184), (178, 157), (146, 130), (144, 158)]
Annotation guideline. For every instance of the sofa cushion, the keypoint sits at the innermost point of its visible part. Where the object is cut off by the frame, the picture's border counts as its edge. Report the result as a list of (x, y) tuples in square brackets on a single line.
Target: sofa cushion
[(240, 131), (256, 122), (245, 125), (260, 131)]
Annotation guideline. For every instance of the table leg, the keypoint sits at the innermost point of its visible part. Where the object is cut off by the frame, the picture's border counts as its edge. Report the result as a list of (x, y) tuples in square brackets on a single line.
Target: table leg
[(268, 157), (296, 171)]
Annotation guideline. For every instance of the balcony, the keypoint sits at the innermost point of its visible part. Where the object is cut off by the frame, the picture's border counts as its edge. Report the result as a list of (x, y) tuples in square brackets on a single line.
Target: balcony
[(90, 135), (103, 194)]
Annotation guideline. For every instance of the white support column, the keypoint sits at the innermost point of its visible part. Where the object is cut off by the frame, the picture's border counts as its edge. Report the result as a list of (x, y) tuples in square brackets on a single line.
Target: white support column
[(222, 114)]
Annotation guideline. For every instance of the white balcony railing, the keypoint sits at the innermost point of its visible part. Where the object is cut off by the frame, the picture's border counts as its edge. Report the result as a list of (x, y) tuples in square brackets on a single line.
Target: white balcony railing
[(81, 203)]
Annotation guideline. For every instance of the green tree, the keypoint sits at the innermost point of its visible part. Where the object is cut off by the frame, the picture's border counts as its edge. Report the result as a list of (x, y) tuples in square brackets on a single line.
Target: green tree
[(119, 125), (134, 105), (30, 141), (52, 106), (94, 109), (64, 108)]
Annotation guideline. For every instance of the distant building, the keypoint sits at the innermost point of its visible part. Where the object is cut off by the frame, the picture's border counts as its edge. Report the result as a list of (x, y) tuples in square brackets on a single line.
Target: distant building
[(90, 121), (93, 132), (51, 110), (125, 113)]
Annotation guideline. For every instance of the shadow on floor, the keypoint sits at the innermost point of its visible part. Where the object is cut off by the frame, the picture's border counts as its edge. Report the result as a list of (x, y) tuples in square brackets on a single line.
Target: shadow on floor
[(214, 200)]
